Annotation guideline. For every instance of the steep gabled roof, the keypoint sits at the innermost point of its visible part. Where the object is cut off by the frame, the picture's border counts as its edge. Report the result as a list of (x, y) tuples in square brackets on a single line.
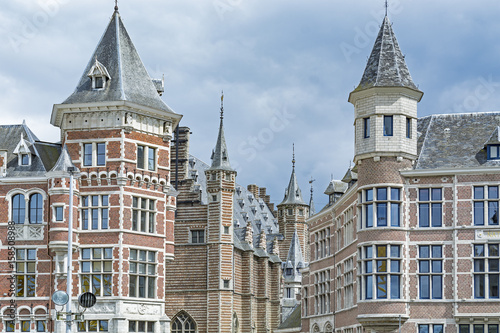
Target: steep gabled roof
[(220, 157), (129, 80), (386, 66)]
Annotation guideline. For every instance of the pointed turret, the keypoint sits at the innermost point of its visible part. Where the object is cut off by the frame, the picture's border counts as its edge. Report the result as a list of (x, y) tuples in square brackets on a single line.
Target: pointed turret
[(220, 158), (293, 195), (312, 210), (386, 66), (116, 60), (385, 103), (295, 259)]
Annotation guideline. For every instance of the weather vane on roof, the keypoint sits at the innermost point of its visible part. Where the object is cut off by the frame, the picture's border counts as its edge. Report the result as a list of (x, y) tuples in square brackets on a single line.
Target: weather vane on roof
[(293, 155), (386, 6), (116, 4), (222, 105)]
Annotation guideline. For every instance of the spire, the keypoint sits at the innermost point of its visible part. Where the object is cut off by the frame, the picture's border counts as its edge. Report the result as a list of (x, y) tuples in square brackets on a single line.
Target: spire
[(386, 7), (293, 195), (295, 259), (220, 158), (312, 210), (386, 66), (128, 78)]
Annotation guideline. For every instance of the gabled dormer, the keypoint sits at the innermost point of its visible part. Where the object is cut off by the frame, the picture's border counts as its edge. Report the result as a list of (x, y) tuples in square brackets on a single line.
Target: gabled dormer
[(493, 145), (23, 152), (99, 76)]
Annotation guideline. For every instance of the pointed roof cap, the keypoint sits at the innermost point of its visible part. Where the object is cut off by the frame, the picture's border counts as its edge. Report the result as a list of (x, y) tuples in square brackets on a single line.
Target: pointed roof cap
[(220, 157), (293, 195), (386, 66), (494, 138), (128, 79), (63, 163), (312, 210), (295, 257)]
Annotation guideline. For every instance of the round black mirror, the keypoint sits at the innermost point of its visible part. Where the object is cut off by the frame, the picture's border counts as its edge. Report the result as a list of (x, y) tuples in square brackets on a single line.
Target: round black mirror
[(87, 300)]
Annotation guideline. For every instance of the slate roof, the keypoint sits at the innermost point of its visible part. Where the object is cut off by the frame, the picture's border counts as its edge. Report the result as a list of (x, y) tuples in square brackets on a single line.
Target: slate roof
[(337, 186), (220, 157), (246, 208), (129, 79), (386, 65), (457, 140), (294, 320), (293, 195), (294, 260), (43, 154)]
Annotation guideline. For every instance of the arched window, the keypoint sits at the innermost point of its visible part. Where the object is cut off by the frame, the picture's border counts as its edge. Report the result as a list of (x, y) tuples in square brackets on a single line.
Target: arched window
[(183, 323), (18, 208), (36, 204)]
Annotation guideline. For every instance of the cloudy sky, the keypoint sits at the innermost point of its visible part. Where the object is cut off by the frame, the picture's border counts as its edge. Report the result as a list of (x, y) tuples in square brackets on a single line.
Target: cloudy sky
[(286, 68)]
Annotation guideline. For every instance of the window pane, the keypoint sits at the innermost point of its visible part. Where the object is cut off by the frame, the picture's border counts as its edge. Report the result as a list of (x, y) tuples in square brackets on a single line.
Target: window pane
[(478, 250), (368, 252), (424, 286), (87, 154), (369, 215), (382, 193), (368, 267), (381, 265), (478, 192), (394, 251), (437, 286), (381, 286), (366, 127), (478, 328), (103, 325), (437, 266), (108, 253), (423, 266), (464, 328), (369, 195), (424, 194), (395, 266), (394, 214), (493, 250), (140, 157), (101, 154), (423, 329), (436, 194), (493, 212), (424, 215), (151, 159), (142, 287), (381, 251), (387, 125), (59, 213), (369, 286), (437, 251), (493, 328), (395, 194), (479, 286), (395, 287), (381, 214), (478, 213), (133, 286), (493, 279), (478, 265), (437, 328), (493, 265), (492, 192), (436, 214), (151, 287)]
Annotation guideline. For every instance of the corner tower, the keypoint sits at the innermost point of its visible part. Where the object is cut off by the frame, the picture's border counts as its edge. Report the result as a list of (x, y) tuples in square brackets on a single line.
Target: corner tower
[(292, 214), (385, 103), (221, 180)]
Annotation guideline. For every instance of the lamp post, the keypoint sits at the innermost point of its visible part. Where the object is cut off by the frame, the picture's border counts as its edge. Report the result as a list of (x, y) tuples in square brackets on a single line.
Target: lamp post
[(70, 251)]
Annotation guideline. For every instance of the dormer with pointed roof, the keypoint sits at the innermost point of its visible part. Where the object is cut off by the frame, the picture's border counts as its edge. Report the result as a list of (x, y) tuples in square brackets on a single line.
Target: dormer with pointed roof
[(385, 103)]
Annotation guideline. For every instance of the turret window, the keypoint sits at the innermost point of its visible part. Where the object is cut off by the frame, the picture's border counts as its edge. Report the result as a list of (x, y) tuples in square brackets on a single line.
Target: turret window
[(366, 128), (146, 158), (388, 126), (25, 159), (94, 154), (381, 207), (99, 76), (408, 128)]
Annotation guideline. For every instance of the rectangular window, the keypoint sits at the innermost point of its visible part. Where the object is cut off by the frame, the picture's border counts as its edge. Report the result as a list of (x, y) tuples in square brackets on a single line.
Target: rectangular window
[(486, 270), (322, 291), (430, 268), (427, 328), (95, 212), (408, 128), (58, 213), (41, 325), (142, 277), (197, 236), (366, 127), (493, 152), (486, 205), (430, 207), (478, 328), (388, 128), (146, 158), (141, 326), (25, 159), (143, 214), (25, 325), (94, 154), (93, 326), (96, 271), (381, 273), (10, 326), (384, 208), (25, 272)]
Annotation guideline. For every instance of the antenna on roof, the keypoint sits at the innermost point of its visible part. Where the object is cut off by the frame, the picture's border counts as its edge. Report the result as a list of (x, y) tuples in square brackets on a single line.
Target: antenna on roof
[(116, 5), (222, 105)]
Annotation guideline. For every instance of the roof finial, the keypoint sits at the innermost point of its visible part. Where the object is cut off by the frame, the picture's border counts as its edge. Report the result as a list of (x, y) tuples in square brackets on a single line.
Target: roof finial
[(116, 5), (222, 105), (386, 7), (293, 155), (311, 182)]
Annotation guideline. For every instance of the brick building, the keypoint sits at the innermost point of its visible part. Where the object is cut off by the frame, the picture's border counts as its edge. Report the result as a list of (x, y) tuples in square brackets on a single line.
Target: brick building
[(410, 237), (166, 242)]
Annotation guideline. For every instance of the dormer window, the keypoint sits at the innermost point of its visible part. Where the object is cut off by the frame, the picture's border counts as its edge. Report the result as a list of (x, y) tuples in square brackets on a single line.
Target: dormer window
[(23, 152), (99, 76), (494, 152)]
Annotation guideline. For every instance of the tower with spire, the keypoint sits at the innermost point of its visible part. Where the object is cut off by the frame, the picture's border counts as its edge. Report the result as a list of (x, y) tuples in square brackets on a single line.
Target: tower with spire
[(385, 106), (220, 178), (292, 214)]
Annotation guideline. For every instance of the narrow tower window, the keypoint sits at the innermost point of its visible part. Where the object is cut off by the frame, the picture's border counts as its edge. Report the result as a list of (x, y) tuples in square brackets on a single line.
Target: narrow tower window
[(387, 125), (366, 128), (408, 128)]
